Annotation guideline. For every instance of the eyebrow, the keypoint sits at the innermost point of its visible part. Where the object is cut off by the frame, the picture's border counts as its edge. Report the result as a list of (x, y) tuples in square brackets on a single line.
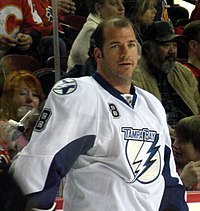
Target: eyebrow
[(117, 42)]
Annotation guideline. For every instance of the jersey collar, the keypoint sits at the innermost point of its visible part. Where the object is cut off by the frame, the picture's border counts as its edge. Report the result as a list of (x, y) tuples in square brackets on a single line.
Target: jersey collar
[(114, 91)]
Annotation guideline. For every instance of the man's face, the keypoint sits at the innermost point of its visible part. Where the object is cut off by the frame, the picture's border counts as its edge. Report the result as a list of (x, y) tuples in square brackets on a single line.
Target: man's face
[(163, 58), (118, 59)]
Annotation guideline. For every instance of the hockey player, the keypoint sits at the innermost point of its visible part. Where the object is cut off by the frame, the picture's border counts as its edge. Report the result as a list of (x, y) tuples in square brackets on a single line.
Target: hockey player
[(108, 137)]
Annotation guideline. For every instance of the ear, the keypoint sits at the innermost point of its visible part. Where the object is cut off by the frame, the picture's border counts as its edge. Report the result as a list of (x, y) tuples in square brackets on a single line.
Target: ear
[(97, 54), (193, 45), (98, 8)]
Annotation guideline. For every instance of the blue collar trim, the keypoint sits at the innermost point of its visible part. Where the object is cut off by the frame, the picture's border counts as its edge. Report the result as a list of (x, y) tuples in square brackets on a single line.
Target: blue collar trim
[(113, 91)]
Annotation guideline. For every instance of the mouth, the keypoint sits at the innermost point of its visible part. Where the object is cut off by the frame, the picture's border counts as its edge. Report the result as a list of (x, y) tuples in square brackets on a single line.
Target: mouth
[(121, 14), (126, 65), (170, 58)]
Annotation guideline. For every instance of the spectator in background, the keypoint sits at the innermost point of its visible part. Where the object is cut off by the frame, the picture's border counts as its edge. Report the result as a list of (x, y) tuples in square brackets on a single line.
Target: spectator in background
[(99, 10), (22, 92), (20, 28), (191, 34), (142, 13), (159, 73), (186, 148), (45, 11)]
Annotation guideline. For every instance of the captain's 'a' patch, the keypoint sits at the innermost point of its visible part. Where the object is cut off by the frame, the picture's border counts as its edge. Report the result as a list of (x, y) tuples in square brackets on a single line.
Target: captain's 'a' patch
[(65, 86)]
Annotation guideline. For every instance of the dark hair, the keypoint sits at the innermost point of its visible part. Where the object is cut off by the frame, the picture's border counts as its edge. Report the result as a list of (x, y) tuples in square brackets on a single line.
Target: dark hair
[(97, 37), (188, 130), (91, 5), (192, 32)]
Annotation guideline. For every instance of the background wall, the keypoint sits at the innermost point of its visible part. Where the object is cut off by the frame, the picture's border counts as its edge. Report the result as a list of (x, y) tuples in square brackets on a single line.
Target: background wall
[(185, 4)]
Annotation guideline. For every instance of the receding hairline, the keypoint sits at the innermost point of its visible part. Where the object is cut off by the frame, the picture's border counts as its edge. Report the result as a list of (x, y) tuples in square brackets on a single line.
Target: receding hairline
[(116, 22)]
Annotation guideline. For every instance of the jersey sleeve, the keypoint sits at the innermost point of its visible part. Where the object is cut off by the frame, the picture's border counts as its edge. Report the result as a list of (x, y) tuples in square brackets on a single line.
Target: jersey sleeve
[(60, 136), (174, 191), (31, 20)]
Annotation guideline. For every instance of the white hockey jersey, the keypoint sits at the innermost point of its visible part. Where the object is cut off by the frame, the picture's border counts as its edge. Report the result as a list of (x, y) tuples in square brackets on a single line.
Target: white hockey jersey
[(117, 157)]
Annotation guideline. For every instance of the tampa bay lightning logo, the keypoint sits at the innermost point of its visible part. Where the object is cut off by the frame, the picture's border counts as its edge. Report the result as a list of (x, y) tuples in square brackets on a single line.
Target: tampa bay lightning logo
[(65, 86), (142, 152)]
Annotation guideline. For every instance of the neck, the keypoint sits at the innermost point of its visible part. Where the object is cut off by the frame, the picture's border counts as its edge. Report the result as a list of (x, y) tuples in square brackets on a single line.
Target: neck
[(120, 84), (123, 89), (194, 61)]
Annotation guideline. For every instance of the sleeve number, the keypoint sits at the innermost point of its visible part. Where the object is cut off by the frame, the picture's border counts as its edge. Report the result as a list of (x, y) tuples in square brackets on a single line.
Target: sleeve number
[(43, 119), (114, 110)]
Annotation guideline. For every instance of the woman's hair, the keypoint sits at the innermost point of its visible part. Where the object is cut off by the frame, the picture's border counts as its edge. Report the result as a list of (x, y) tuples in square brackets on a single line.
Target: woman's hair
[(188, 131), (135, 8), (11, 84), (91, 5)]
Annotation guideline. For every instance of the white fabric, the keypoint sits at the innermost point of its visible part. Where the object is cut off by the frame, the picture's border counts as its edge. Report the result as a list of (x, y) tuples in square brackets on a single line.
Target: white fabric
[(80, 47), (122, 171), (51, 209)]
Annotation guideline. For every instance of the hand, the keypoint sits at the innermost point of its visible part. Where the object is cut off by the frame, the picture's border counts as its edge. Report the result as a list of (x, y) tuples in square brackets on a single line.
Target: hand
[(67, 6), (24, 41), (7, 42), (191, 173), (8, 134)]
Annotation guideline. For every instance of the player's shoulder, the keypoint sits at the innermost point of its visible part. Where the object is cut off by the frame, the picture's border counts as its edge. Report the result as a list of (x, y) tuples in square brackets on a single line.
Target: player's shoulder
[(147, 95), (73, 86)]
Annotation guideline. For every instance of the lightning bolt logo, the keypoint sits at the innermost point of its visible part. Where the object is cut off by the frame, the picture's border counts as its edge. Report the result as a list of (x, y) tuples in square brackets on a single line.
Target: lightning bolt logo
[(142, 151), (149, 161)]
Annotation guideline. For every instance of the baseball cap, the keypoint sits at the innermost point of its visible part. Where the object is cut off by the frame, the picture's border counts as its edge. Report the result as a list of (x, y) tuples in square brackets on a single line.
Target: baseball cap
[(160, 31)]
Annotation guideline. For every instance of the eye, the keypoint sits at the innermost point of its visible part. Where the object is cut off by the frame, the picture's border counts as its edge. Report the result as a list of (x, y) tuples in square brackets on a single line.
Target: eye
[(114, 46), (166, 45), (23, 92), (131, 45), (175, 45), (35, 94)]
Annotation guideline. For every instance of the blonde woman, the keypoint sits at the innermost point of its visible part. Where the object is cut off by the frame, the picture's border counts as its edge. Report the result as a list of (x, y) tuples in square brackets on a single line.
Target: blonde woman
[(142, 13)]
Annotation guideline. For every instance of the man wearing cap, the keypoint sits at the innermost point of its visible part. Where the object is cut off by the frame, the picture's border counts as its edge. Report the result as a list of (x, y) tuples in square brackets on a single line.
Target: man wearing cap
[(159, 73)]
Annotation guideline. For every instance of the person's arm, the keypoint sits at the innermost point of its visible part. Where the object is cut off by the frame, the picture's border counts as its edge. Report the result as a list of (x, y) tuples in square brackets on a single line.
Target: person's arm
[(174, 193), (59, 137), (31, 28)]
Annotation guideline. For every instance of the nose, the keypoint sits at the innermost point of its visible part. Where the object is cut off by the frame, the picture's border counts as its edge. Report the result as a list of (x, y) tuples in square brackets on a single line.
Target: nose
[(121, 7), (172, 48), (175, 144), (29, 97), (154, 10), (124, 50)]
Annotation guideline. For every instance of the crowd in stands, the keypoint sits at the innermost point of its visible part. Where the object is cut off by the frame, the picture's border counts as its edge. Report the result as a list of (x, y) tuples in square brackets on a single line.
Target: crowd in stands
[(168, 66), (159, 73), (99, 10)]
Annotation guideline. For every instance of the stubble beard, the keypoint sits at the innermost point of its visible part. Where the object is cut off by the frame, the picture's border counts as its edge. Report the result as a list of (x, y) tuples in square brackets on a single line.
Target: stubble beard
[(162, 66)]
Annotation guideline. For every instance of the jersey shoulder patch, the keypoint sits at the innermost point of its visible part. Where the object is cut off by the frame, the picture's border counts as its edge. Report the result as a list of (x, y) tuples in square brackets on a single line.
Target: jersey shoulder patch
[(65, 86)]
